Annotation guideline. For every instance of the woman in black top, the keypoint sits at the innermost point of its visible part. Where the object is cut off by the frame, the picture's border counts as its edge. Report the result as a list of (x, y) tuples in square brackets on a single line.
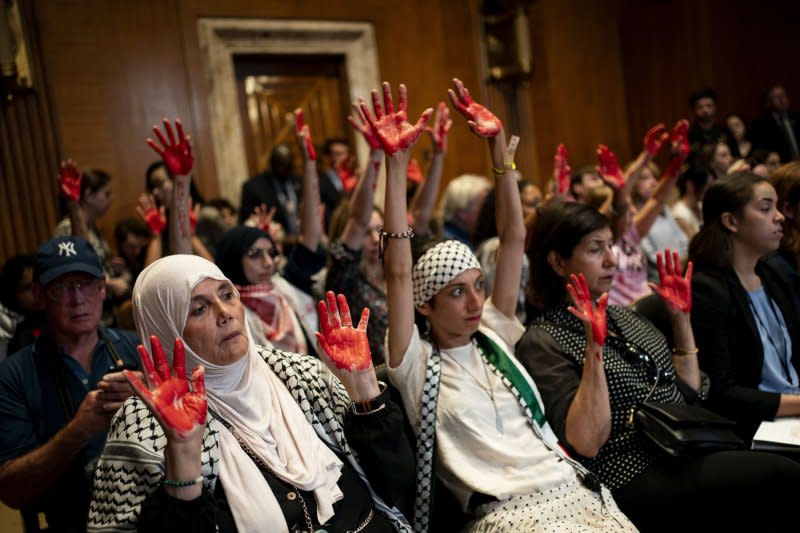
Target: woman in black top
[(744, 313), (593, 366)]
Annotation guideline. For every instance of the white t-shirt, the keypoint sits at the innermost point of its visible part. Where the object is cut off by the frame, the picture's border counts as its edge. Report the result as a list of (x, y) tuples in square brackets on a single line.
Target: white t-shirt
[(472, 454), (681, 212)]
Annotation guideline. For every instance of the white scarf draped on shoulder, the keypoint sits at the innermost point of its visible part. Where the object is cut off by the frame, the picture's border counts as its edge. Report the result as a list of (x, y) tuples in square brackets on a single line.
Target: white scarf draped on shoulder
[(247, 395)]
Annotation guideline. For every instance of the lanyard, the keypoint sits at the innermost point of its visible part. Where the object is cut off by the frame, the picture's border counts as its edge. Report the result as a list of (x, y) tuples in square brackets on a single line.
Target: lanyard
[(783, 355)]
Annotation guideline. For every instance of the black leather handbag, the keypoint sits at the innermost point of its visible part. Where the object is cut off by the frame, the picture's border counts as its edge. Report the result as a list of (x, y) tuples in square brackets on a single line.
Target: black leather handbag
[(685, 430)]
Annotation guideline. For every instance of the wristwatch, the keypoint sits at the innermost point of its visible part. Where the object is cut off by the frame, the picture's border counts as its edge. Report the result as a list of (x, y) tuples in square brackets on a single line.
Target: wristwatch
[(370, 406)]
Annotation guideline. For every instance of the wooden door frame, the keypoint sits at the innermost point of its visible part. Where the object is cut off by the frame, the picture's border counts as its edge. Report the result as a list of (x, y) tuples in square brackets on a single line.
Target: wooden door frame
[(221, 38)]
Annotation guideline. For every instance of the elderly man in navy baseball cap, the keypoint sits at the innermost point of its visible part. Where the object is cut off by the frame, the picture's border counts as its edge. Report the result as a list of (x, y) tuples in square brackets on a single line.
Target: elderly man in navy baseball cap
[(58, 395)]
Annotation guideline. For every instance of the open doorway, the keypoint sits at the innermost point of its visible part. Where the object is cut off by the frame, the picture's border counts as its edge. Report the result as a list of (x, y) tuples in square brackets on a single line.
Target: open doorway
[(271, 86)]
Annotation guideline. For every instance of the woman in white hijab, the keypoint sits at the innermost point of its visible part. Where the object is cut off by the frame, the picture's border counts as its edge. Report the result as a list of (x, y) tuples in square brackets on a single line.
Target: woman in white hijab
[(275, 452)]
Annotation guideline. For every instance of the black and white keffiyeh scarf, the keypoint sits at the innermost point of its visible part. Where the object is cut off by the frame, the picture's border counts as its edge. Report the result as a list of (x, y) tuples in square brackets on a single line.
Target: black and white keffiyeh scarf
[(132, 464)]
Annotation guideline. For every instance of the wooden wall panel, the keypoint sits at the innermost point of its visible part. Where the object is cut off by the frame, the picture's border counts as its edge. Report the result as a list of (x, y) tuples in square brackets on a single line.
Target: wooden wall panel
[(115, 69), (28, 190), (738, 48), (577, 91), (603, 71)]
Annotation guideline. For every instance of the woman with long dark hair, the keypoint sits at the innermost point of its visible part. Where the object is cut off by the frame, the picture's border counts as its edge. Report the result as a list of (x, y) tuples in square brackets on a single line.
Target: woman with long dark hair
[(595, 363), (744, 314)]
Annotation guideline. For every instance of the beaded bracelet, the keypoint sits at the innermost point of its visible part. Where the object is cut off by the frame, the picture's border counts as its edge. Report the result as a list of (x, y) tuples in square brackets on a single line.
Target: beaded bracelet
[(680, 352), (389, 235), (181, 484)]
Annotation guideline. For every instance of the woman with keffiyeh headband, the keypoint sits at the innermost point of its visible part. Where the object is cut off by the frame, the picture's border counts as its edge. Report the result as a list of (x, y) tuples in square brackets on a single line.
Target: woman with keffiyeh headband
[(474, 407)]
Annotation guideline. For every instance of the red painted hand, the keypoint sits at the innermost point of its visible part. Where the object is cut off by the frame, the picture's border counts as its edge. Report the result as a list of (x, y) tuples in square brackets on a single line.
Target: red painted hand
[(481, 121), (155, 218), (362, 125), (194, 215), (348, 174), (177, 153), (70, 179), (562, 170), (304, 136), (346, 346), (675, 290), (414, 173), (679, 138), (440, 128), (264, 217), (178, 409), (584, 308), (609, 168), (654, 139), (392, 128)]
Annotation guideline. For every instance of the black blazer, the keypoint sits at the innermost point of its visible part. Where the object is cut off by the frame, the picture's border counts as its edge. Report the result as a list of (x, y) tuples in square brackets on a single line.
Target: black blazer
[(730, 346), (767, 133)]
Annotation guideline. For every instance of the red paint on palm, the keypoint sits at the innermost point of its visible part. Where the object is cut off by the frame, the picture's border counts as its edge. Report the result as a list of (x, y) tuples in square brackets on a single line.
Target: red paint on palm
[(585, 309), (675, 289), (481, 121), (392, 128), (345, 345), (654, 139), (304, 134), (348, 174), (194, 215), (414, 173), (362, 125), (563, 170), (679, 138), (169, 395), (70, 179), (441, 127), (609, 168), (156, 220), (177, 152)]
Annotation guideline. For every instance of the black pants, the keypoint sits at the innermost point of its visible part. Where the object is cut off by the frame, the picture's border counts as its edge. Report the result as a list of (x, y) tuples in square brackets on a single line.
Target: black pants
[(722, 491)]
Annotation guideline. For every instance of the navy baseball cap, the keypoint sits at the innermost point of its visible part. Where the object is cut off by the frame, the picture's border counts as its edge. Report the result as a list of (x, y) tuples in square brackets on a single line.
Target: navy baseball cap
[(65, 255)]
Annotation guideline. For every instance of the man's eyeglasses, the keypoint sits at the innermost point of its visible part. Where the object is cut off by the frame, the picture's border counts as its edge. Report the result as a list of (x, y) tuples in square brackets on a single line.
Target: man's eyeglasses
[(86, 288), (258, 253)]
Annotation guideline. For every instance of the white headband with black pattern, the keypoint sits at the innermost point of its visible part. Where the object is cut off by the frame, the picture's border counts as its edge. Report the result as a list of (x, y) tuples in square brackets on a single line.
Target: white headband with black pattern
[(438, 266)]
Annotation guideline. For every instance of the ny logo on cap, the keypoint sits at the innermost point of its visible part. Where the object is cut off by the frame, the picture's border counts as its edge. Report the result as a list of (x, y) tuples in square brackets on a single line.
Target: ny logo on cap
[(66, 249)]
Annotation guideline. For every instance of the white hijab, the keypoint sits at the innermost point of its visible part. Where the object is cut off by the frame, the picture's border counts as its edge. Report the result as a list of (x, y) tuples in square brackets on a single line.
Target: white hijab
[(249, 396)]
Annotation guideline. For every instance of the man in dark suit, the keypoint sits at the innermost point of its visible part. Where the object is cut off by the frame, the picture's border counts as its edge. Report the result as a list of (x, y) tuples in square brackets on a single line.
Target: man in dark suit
[(778, 130), (331, 189), (276, 187)]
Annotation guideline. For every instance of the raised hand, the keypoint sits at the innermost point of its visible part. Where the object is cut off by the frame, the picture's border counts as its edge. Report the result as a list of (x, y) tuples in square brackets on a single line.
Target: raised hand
[(675, 289), (481, 121), (392, 128), (70, 179), (194, 215), (176, 153), (348, 173), (304, 136), (180, 411), (679, 139), (264, 217), (593, 318), (155, 218), (654, 139), (440, 128), (362, 125), (347, 347), (609, 168), (562, 172)]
